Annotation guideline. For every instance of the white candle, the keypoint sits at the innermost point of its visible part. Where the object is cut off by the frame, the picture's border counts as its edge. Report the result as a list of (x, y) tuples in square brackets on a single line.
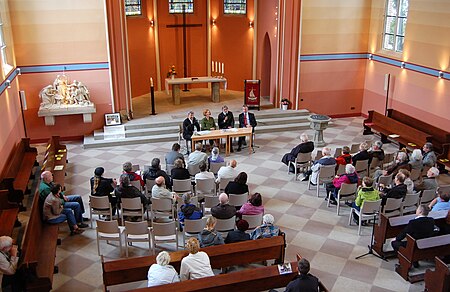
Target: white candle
[(151, 82), (223, 70), (216, 67), (212, 66)]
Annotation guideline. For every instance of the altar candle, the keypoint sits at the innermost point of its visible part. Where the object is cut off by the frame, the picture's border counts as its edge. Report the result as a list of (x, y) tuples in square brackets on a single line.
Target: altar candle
[(217, 66), (223, 70), (212, 66), (151, 82)]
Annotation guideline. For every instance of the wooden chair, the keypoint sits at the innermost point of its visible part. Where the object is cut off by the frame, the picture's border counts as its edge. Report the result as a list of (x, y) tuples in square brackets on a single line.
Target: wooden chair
[(326, 175), (346, 192), (164, 232), (109, 231), (303, 161), (137, 232), (369, 210), (99, 206)]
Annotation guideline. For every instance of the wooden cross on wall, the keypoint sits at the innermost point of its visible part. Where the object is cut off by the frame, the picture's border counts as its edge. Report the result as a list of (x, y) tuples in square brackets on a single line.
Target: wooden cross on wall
[(184, 26)]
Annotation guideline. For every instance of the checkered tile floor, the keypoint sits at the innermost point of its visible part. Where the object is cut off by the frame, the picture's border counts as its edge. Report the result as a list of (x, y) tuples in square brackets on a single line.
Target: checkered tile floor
[(312, 229)]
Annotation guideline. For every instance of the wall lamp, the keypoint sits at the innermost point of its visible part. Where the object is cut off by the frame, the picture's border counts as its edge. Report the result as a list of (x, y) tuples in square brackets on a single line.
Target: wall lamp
[(18, 71), (370, 56), (250, 24), (8, 83), (152, 23), (213, 22), (402, 65), (441, 74)]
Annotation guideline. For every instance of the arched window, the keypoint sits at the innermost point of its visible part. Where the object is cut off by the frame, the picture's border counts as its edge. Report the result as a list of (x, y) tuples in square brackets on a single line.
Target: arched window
[(395, 25), (235, 7), (133, 7), (3, 54)]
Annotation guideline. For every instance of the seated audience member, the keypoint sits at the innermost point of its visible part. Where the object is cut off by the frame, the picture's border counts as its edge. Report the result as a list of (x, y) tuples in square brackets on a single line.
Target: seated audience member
[(428, 183), (420, 227), (155, 170), (442, 202), (208, 123), (239, 234), (190, 124), (188, 211), (223, 210), (203, 174), (305, 146), (345, 158), (196, 265), (362, 154), (325, 160), (408, 181), (415, 159), (238, 186), (128, 169), (267, 229), (376, 151), (126, 190), (174, 154), (209, 236), (215, 157), (103, 187), (197, 156), (227, 172), (366, 193), (179, 171), (10, 278), (429, 157), (349, 177), (304, 281), (401, 162), (74, 202), (159, 190), (398, 191), (253, 206), (162, 273), (225, 120), (55, 213)]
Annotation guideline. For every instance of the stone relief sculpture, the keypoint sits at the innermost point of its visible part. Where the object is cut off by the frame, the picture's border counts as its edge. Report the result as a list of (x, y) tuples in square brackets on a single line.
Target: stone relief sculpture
[(62, 94)]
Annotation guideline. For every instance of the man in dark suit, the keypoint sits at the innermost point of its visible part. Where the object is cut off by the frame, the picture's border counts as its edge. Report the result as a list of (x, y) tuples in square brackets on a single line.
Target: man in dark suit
[(246, 120), (305, 146), (189, 125), (226, 121), (420, 227), (398, 191)]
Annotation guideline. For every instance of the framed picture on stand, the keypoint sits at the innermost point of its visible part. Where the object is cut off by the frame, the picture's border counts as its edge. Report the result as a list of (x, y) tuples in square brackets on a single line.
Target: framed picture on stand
[(112, 119)]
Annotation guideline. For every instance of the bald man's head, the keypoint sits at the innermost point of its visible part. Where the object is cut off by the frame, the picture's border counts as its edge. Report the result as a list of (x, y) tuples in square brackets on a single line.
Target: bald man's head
[(233, 163), (223, 198)]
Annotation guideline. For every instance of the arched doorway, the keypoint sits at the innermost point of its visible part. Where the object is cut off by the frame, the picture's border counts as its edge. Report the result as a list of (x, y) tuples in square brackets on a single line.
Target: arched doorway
[(266, 69)]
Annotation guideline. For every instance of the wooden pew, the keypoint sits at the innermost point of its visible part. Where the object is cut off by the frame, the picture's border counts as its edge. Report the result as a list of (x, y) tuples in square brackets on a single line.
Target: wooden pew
[(18, 169), (135, 269), (439, 279), (257, 279), (8, 214), (391, 227), (421, 249), (385, 126), (55, 156), (39, 249), (443, 159)]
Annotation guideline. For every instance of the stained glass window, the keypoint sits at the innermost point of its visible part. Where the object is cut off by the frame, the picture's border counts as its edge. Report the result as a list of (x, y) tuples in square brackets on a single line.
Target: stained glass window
[(176, 6), (133, 7), (235, 6)]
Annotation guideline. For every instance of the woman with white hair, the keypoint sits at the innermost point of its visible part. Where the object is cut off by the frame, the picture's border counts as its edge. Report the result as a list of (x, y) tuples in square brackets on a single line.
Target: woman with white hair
[(8, 262), (349, 177), (401, 161), (305, 146), (215, 157), (161, 273), (415, 160), (267, 229)]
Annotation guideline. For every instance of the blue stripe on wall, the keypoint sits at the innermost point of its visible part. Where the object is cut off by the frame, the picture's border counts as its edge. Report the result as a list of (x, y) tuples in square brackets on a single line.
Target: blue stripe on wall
[(377, 58), (64, 67), (4, 85)]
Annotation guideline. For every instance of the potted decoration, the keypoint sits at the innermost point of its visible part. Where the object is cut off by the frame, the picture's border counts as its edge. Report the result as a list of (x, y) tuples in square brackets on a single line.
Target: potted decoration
[(172, 72), (285, 103)]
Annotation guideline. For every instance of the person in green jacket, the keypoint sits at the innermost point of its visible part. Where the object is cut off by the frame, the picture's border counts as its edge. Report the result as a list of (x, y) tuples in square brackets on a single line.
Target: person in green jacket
[(366, 193), (208, 123)]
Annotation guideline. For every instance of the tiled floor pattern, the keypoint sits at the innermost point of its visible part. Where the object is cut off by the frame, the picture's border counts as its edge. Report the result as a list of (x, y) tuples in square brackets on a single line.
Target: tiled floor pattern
[(312, 229)]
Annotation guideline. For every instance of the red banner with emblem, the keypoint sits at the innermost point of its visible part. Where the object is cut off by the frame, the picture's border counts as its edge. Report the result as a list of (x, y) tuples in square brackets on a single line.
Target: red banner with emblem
[(252, 93)]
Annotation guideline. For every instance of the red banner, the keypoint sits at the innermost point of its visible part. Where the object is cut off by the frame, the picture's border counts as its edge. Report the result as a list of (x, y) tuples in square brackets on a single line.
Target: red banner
[(252, 93)]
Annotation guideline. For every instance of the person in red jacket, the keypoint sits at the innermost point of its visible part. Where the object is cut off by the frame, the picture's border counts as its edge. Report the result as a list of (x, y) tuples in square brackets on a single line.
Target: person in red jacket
[(345, 158), (349, 177)]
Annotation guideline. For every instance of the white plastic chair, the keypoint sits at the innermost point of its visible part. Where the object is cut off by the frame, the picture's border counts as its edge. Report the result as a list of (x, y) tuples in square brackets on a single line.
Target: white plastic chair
[(388, 158), (169, 168), (326, 175), (410, 203), (164, 232), (131, 207), (374, 165), (443, 189), (210, 201), (181, 186), (427, 196), (415, 174), (354, 148), (369, 210), (346, 192), (253, 221), (137, 232), (179, 199), (135, 167), (393, 207), (109, 231), (385, 180), (205, 186), (319, 155), (225, 225), (99, 206), (303, 161), (362, 167), (337, 152), (163, 207), (193, 227), (215, 166), (136, 184), (193, 169), (341, 169), (223, 183), (149, 183), (237, 200)]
